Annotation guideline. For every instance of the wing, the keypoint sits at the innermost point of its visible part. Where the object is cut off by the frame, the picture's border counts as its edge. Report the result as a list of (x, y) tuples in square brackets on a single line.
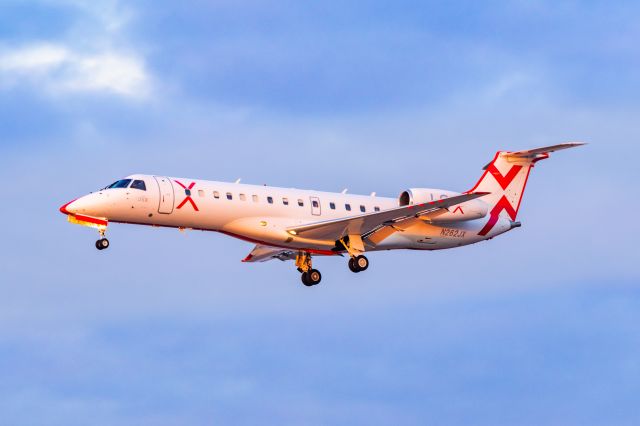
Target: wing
[(366, 224), (262, 253)]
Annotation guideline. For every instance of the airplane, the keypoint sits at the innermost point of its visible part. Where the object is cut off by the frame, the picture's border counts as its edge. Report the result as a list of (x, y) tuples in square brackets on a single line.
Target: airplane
[(294, 224)]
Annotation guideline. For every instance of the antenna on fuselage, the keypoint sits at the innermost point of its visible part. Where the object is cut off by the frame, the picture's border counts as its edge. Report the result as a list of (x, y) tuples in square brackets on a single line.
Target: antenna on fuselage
[(373, 194), (344, 191), (238, 181)]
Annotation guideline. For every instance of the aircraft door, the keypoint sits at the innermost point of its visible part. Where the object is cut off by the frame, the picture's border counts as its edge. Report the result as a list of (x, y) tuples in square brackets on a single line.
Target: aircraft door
[(315, 206), (166, 195)]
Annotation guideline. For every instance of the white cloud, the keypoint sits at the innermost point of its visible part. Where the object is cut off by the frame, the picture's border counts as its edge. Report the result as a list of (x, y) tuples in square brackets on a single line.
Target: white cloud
[(60, 69)]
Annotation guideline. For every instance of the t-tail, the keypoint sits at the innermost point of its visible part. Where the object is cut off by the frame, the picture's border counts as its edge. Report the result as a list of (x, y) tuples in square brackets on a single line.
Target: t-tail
[(505, 178)]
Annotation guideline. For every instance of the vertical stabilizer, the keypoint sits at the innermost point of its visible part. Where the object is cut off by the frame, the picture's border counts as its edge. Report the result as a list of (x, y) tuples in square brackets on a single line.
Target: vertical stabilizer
[(506, 178)]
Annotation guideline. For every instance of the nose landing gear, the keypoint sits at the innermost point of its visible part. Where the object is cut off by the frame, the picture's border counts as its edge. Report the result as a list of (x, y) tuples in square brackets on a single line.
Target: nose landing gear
[(102, 243), (310, 276)]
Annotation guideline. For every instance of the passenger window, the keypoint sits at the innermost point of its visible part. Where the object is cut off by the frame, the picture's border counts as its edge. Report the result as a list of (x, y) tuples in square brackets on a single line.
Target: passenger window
[(285, 201), (138, 184), (255, 198), (229, 196), (315, 204), (301, 203), (243, 197), (216, 194), (200, 193), (347, 207), (363, 209), (332, 205), (270, 200), (376, 208)]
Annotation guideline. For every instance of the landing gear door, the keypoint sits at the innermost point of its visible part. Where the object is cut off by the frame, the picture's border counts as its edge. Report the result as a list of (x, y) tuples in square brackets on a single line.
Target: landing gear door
[(166, 195), (315, 206)]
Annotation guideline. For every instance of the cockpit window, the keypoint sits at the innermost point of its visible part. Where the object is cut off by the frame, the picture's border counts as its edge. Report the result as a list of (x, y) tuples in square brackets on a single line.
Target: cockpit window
[(139, 184), (120, 184)]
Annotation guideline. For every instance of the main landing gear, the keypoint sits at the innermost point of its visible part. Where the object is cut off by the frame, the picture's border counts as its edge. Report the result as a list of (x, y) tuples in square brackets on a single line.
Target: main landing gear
[(354, 246), (102, 243), (358, 263), (310, 276)]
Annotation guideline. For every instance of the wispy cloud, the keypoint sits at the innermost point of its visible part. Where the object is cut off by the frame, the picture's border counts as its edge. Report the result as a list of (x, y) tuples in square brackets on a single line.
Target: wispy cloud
[(57, 68), (93, 54)]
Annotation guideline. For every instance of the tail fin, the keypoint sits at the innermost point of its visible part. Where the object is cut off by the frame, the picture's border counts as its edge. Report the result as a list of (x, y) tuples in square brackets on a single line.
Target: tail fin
[(506, 177)]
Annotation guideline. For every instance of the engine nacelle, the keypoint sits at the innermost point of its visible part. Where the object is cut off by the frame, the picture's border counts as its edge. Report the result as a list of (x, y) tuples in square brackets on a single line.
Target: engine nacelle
[(470, 210)]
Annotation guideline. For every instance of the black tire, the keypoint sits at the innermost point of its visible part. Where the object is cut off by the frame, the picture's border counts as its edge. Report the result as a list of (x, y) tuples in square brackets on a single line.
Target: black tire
[(305, 279), (103, 243), (352, 265), (362, 263), (98, 246), (314, 277)]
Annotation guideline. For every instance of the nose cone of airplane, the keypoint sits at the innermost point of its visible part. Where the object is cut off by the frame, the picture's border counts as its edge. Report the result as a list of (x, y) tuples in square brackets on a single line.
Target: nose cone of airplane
[(68, 208), (90, 205)]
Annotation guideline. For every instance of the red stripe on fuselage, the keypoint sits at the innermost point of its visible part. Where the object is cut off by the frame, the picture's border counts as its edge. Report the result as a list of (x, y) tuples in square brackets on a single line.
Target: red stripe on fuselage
[(91, 219)]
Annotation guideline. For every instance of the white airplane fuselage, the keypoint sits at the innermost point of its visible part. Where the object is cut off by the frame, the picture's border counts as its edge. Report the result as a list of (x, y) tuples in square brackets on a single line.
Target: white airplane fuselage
[(262, 214)]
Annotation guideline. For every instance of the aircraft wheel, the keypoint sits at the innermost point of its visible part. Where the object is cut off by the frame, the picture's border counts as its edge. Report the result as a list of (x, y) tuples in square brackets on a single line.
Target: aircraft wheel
[(102, 244), (362, 263), (305, 279), (353, 266), (314, 277)]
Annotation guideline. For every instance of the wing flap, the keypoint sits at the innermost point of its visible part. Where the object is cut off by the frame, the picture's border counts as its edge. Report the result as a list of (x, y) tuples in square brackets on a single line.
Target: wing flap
[(262, 253)]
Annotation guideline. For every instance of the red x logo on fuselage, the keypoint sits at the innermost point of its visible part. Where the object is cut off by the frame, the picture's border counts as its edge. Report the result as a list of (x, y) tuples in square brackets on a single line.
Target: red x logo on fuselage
[(187, 192)]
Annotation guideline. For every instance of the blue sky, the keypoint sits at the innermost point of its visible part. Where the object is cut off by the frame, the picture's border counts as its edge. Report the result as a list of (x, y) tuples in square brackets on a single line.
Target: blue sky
[(536, 327)]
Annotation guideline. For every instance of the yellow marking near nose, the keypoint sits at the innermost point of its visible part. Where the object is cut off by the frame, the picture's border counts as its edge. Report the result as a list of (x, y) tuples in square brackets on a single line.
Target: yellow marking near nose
[(76, 221)]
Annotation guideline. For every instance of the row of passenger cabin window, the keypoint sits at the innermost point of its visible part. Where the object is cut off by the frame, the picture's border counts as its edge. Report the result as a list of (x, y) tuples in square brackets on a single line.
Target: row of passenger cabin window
[(285, 201)]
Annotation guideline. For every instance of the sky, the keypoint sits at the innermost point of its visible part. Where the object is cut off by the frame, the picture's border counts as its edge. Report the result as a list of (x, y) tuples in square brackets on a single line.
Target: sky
[(539, 326)]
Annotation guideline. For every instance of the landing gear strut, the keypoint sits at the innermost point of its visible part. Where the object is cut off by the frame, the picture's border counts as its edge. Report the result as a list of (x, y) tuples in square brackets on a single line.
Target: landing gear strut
[(358, 263), (310, 276), (102, 243)]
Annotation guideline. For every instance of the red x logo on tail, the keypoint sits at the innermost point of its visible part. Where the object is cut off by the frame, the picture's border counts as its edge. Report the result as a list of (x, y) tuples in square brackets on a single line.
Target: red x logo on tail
[(187, 192)]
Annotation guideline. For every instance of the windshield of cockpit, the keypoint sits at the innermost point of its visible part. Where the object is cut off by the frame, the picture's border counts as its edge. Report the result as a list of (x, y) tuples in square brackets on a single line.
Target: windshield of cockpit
[(124, 183)]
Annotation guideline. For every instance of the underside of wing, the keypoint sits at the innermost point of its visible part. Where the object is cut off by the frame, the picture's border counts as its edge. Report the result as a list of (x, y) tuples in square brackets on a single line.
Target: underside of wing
[(366, 224), (262, 253)]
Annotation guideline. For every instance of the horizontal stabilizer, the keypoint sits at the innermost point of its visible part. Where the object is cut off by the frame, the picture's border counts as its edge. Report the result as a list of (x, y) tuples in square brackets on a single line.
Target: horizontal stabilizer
[(534, 153)]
